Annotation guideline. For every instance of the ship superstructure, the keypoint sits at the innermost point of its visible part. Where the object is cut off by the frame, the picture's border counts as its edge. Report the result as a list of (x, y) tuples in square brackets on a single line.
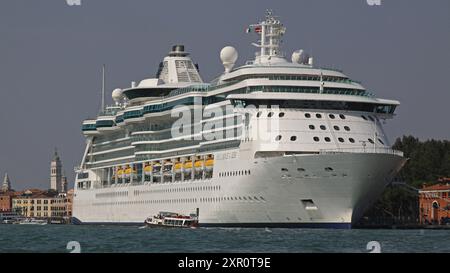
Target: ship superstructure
[(270, 143)]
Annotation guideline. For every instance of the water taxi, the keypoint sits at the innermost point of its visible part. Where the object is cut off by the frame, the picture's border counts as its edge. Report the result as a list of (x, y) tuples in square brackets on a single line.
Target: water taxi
[(171, 219)]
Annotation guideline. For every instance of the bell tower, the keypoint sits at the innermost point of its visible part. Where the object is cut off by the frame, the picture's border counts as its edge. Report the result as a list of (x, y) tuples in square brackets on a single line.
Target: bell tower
[(56, 173)]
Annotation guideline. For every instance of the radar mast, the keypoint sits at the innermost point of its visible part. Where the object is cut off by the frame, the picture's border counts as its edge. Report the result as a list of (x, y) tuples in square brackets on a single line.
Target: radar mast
[(271, 31)]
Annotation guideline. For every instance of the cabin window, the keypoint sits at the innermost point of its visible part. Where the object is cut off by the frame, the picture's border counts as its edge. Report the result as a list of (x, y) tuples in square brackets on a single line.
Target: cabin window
[(316, 139), (293, 138)]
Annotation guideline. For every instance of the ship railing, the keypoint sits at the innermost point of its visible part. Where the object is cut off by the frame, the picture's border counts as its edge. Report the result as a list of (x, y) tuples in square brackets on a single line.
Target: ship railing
[(366, 150)]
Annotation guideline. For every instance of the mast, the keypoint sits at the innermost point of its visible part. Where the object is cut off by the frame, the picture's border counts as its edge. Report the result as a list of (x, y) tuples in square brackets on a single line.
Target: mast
[(270, 31), (103, 89)]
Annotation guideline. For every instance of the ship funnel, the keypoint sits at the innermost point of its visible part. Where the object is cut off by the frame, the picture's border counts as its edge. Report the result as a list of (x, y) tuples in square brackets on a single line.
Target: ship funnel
[(178, 67)]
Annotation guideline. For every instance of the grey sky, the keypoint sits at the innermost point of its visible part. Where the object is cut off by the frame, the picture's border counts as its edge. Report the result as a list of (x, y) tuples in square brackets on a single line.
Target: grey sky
[(51, 56)]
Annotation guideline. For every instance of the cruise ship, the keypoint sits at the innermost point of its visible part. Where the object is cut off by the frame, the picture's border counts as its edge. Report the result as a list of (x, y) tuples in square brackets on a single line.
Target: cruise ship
[(275, 142)]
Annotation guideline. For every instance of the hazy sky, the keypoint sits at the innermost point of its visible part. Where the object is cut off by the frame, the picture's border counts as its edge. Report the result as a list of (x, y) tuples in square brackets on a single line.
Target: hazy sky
[(51, 56)]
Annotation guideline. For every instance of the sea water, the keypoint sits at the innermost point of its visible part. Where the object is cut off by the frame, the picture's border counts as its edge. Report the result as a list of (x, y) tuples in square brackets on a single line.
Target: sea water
[(89, 239)]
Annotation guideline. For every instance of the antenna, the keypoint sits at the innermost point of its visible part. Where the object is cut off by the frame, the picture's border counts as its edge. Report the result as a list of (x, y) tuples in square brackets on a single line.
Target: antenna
[(103, 88), (270, 31)]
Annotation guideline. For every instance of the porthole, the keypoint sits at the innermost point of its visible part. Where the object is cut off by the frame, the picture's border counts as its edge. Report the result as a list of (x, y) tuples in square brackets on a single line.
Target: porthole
[(316, 139), (284, 170), (364, 117), (327, 139), (370, 140), (336, 128), (323, 127), (381, 141), (307, 115), (371, 118), (342, 116), (318, 115), (328, 169), (281, 115), (293, 138), (347, 128), (341, 139), (278, 138), (258, 114), (300, 169), (351, 140), (331, 116), (312, 127), (270, 114)]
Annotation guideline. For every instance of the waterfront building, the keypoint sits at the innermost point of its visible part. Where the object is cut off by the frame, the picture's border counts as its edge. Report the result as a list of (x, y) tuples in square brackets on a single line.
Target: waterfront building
[(41, 204), (6, 201), (434, 204), (6, 194)]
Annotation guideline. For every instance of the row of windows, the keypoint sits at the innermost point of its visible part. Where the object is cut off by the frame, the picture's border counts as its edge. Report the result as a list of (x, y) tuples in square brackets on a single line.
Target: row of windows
[(112, 194), (234, 173), (188, 189), (317, 115), (270, 114), (341, 116), (328, 139), (331, 116), (335, 127), (32, 201), (328, 169), (317, 139), (186, 200), (45, 214)]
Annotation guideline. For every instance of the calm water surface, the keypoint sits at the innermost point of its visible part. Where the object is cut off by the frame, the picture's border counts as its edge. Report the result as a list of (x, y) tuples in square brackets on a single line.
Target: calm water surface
[(54, 238)]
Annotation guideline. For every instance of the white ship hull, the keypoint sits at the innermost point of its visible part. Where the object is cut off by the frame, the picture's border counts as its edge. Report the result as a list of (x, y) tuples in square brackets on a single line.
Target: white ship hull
[(339, 197), (270, 143)]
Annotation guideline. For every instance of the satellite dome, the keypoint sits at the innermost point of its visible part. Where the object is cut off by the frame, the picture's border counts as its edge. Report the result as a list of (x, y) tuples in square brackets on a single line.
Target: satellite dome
[(228, 55), (117, 94), (300, 57)]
